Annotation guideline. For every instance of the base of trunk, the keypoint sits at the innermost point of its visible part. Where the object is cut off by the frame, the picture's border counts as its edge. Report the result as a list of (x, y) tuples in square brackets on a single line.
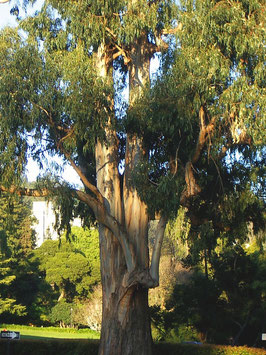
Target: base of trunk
[(126, 324)]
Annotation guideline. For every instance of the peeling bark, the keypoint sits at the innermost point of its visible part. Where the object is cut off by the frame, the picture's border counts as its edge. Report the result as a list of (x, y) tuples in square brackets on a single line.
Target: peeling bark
[(125, 325), (125, 261)]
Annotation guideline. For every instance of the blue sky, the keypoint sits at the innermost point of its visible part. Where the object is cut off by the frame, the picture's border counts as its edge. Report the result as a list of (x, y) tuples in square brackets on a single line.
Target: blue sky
[(5, 18)]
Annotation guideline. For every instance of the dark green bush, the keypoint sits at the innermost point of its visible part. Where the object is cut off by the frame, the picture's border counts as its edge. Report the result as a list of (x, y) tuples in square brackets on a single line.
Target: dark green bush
[(191, 349), (51, 347), (90, 347)]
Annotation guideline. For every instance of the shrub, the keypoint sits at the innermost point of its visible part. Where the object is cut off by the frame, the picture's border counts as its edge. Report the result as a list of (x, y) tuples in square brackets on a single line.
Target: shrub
[(61, 314), (51, 347), (90, 347), (189, 349)]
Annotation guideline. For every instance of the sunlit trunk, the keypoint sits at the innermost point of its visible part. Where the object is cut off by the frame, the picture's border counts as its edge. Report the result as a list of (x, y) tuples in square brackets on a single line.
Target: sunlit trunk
[(125, 317), (125, 320), (125, 323)]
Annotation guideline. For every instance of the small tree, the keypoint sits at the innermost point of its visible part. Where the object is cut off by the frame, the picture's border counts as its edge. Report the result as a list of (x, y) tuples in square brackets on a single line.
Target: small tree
[(66, 269), (61, 314), (89, 313)]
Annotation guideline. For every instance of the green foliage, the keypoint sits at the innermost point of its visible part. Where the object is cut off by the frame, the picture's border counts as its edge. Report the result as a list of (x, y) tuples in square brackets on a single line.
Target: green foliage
[(87, 241), (17, 235), (230, 295), (215, 62), (52, 347), (224, 282), (61, 314), (24, 295), (72, 268), (8, 304), (222, 49), (64, 82), (90, 347), (217, 66), (176, 235), (32, 291)]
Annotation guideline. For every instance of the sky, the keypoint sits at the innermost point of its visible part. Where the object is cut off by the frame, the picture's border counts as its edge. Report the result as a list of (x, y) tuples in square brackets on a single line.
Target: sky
[(6, 19)]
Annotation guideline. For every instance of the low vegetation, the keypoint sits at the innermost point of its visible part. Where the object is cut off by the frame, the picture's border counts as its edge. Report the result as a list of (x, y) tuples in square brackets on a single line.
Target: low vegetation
[(90, 347)]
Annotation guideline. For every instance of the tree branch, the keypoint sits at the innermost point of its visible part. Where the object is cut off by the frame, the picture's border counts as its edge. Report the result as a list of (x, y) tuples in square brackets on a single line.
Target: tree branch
[(204, 132), (192, 188), (111, 223), (95, 203), (99, 210), (83, 178), (156, 254), (22, 191), (70, 132)]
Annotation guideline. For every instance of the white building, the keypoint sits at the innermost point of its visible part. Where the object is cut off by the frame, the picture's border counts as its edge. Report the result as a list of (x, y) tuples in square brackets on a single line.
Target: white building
[(44, 213)]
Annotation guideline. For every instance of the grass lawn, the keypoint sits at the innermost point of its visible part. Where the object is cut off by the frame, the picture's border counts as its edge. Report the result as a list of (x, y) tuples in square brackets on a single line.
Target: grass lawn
[(27, 332)]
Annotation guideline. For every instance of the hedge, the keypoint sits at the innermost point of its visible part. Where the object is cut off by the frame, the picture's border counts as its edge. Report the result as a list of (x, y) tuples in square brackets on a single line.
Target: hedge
[(49, 346), (90, 347), (189, 349)]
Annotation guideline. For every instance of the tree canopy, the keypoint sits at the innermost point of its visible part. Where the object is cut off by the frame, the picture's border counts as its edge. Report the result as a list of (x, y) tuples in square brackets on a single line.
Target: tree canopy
[(204, 112)]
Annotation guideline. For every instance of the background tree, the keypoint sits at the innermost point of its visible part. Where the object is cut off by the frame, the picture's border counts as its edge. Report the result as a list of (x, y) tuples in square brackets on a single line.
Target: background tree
[(171, 146), (230, 294), (87, 242), (89, 313), (8, 303), (172, 271), (17, 234), (24, 288), (62, 314), (66, 269)]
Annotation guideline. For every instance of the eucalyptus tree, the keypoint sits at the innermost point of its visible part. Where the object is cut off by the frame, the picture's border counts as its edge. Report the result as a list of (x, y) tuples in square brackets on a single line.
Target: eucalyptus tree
[(59, 85)]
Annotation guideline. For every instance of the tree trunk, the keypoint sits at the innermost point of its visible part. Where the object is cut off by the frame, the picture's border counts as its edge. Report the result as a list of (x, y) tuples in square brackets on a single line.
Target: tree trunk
[(124, 263), (125, 322), (125, 319)]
